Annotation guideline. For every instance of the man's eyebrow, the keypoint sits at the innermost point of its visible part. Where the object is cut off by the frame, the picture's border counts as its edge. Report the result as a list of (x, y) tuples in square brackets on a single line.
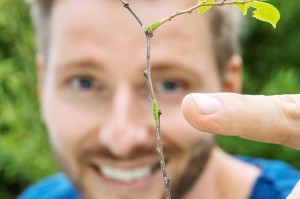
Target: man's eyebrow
[(163, 65), (79, 65)]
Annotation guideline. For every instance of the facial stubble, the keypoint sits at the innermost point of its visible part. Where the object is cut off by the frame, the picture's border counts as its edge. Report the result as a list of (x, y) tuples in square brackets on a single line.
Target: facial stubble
[(201, 152)]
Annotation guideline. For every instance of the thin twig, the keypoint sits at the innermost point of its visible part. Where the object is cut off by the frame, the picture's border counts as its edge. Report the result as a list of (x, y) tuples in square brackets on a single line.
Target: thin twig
[(147, 74), (159, 145), (160, 152), (127, 6), (201, 4)]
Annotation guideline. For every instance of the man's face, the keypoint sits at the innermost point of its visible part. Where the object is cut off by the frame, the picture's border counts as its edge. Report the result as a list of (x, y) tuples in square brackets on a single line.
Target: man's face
[(95, 100)]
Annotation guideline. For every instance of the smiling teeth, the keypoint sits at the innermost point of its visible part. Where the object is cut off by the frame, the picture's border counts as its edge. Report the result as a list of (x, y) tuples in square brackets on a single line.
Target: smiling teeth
[(125, 176)]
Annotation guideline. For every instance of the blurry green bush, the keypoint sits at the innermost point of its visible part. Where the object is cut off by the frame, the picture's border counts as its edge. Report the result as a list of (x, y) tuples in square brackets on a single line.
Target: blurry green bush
[(271, 67), (24, 150)]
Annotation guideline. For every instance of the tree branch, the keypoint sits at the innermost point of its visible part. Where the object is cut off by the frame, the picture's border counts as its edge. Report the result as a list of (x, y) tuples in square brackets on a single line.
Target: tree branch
[(191, 9), (156, 112), (160, 154), (127, 6)]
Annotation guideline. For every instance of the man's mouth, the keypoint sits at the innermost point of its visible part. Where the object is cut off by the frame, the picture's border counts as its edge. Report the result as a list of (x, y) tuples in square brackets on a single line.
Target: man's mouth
[(127, 176)]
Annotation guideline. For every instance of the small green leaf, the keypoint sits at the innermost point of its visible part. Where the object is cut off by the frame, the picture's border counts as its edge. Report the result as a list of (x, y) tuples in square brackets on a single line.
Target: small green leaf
[(243, 8), (153, 26), (265, 12), (155, 111), (203, 9)]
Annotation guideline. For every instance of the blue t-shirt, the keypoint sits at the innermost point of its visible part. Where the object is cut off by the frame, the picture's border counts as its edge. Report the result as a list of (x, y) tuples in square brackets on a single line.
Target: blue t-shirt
[(276, 181)]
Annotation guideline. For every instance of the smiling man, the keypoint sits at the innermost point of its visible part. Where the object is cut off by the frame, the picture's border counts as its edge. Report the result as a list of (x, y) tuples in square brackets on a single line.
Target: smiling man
[(94, 99)]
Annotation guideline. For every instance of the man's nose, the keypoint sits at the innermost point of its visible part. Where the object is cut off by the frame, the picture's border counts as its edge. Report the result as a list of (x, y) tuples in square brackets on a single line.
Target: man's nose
[(126, 127)]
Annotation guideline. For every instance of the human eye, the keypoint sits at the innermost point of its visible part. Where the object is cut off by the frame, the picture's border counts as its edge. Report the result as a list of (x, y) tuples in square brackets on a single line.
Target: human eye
[(85, 84), (171, 90), (169, 86), (86, 88), (82, 83)]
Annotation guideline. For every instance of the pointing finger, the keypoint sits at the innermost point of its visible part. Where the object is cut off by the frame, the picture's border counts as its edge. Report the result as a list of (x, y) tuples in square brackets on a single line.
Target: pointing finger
[(270, 119)]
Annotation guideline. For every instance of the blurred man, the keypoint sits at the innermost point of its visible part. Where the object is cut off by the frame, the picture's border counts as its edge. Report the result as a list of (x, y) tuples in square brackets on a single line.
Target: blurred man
[(94, 98)]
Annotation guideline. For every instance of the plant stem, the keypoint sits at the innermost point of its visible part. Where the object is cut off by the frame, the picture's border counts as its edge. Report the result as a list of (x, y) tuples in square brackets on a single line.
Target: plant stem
[(160, 154), (127, 6), (147, 74), (191, 9), (159, 145)]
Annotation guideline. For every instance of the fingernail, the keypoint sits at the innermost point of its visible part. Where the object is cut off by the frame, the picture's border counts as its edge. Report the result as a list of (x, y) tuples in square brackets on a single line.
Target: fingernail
[(206, 105)]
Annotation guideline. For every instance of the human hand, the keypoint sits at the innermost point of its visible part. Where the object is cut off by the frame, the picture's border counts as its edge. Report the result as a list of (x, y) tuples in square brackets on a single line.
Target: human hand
[(269, 119)]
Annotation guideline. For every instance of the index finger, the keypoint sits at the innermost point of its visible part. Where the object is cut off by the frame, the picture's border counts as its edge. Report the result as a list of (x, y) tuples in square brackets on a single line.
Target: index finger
[(270, 119)]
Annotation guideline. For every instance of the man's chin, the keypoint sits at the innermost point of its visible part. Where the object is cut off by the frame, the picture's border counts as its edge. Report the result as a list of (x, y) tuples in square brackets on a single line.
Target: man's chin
[(109, 181)]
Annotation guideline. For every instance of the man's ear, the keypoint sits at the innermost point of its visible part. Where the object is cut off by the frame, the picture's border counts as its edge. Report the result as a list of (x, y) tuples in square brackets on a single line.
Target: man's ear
[(232, 81)]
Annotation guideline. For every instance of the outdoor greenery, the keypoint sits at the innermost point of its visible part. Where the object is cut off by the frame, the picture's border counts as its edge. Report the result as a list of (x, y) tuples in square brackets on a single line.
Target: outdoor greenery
[(271, 63)]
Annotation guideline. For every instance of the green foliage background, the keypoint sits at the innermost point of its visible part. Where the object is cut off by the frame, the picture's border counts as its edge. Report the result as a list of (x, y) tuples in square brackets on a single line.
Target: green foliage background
[(271, 59)]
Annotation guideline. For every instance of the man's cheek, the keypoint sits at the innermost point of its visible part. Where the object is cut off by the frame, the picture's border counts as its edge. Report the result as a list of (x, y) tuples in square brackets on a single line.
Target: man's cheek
[(61, 125)]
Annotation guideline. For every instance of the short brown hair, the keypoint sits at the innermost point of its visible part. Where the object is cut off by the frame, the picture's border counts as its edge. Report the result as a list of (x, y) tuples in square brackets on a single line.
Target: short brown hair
[(224, 23)]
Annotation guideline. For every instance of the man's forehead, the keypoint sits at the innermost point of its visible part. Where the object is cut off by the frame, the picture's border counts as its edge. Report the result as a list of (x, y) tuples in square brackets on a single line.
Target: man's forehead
[(111, 14), (107, 26), (91, 18), (147, 10)]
